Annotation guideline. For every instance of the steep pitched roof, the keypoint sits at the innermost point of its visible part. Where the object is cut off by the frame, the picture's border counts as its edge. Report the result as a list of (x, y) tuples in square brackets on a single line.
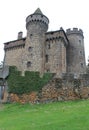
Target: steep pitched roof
[(38, 11)]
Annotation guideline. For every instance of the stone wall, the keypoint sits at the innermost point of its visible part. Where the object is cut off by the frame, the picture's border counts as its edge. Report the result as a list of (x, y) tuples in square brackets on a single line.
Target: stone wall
[(56, 52), (13, 54), (56, 90)]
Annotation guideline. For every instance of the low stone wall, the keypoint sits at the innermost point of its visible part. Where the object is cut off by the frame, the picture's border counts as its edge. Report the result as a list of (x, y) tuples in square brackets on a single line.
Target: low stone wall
[(56, 90)]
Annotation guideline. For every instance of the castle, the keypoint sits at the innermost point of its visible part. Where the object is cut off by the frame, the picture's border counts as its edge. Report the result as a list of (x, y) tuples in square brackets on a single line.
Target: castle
[(55, 51)]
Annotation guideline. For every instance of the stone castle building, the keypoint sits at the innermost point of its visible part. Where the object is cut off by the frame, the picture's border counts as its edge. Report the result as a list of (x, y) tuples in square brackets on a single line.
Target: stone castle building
[(55, 51)]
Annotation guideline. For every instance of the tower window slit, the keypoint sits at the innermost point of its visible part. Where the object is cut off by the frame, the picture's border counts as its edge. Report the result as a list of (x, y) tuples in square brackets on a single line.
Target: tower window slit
[(47, 58)]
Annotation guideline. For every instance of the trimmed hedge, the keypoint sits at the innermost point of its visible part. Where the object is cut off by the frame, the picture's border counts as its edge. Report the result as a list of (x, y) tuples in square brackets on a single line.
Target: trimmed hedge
[(24, 84)]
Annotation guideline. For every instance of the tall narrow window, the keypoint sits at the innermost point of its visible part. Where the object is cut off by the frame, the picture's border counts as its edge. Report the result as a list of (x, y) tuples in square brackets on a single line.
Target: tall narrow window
[(80, 42), (46, 57), (49, 46)]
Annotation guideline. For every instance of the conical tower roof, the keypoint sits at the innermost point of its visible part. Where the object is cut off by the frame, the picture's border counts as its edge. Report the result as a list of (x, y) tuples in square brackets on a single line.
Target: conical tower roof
[(37, 16), (38, 11)]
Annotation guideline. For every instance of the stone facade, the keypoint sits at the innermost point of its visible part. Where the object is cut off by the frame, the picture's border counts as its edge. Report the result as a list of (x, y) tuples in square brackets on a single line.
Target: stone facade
[(56, 51)]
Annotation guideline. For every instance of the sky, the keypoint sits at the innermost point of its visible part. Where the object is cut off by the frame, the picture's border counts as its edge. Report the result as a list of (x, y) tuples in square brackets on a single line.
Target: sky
[(61, 13)]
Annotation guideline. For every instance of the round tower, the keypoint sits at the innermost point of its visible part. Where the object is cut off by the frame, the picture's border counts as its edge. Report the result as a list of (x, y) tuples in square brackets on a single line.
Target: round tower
[(75, 51), (36, 25)]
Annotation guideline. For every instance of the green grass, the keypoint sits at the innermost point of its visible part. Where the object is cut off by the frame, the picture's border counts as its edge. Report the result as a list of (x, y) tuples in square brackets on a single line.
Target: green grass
[(72, 115)]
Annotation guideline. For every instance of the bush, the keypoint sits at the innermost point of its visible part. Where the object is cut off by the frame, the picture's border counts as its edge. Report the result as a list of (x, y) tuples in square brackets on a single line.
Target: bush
[(24, 84)]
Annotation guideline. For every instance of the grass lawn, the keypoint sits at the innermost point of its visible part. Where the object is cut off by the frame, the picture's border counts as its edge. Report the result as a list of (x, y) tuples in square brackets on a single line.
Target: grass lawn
[(72, 115)]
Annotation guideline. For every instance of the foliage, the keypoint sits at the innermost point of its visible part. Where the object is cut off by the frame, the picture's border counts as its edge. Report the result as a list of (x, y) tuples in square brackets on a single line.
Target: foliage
[(24, 84), (73, 115)]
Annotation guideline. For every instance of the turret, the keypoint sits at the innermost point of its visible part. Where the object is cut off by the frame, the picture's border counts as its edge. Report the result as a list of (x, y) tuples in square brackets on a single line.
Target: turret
[(36, 25), (37, 22), (74, 31), (75, 51), (20, 35)]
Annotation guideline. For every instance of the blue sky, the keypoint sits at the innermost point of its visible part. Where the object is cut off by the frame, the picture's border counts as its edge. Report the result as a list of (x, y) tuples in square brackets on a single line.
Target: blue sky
[(61, 13)]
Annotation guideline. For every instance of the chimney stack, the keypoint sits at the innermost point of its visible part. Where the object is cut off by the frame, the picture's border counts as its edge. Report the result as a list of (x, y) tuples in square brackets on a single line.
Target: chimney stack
[(20, 35)]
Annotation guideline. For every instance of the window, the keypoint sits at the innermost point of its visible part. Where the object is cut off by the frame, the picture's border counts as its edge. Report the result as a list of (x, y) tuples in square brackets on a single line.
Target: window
[(81, 64), (30, 49), (31, 35), (80, 42), (46, 57), (81, 52), (29, 64)]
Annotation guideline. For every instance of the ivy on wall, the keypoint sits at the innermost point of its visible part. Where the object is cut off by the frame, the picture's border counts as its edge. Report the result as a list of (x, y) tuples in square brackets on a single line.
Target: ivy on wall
[(24, 84)]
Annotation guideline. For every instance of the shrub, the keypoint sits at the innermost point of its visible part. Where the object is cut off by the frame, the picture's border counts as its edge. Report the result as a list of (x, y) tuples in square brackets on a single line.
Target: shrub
[(24, 84)]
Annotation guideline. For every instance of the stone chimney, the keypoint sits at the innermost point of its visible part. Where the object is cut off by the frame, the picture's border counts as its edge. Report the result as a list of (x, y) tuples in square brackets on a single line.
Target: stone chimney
[(20, 35)]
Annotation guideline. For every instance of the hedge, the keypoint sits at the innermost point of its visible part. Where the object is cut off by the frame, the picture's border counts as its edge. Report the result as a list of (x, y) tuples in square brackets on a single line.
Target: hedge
[(24, 84)]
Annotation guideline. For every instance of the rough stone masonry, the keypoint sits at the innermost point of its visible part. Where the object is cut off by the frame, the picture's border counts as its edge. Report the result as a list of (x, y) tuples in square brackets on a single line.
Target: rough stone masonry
[(60, 52), (46, 51)]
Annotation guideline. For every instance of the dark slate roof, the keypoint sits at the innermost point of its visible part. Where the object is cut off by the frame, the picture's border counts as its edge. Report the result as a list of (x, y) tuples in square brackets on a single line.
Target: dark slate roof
[(4, 72), (15, 43), (57, 34), (38, 11)]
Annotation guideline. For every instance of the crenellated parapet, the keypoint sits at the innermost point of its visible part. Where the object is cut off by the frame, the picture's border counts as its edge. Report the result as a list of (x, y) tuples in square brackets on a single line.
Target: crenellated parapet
[(74, 31), (53, 35), (37, 16), (56, 36)]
